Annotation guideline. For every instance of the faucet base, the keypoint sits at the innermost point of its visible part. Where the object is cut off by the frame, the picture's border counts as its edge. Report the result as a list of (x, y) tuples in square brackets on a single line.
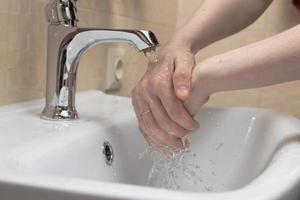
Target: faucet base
[(54, 113)]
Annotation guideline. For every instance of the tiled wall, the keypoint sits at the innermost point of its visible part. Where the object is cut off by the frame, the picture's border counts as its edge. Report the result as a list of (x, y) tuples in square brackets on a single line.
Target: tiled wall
[(23, 36), (23, 47)]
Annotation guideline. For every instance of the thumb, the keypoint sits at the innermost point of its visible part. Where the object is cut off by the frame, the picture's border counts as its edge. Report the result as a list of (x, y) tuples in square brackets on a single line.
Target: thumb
[(182, 77)]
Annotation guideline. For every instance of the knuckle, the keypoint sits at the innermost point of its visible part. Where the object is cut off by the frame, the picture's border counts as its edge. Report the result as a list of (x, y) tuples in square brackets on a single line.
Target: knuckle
[(144, 84), (164, 90), (182, 75), (160, 86), (187, 55), (155, 81), (150, 100), (163, 85)]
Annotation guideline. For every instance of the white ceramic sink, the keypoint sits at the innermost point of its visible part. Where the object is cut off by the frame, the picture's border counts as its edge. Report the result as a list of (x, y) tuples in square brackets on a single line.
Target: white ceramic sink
[(238, 153)]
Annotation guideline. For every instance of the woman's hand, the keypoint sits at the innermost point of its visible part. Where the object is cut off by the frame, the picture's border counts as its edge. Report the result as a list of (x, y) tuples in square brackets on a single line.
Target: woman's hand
[(202, 86), (158, 98)]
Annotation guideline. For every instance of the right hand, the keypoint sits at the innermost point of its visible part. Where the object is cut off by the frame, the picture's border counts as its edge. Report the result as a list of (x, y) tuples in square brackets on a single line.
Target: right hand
[(158, 98)]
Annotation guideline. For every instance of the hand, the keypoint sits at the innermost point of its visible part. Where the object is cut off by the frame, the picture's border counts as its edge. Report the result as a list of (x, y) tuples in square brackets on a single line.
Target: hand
[(203, 85), (158, 98)]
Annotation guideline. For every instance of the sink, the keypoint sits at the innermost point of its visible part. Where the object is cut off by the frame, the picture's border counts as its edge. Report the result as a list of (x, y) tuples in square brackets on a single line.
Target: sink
[(238, 153)]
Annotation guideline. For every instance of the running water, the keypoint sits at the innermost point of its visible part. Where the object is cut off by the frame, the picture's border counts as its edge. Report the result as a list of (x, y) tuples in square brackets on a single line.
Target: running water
[(170, 170), (152, 56)]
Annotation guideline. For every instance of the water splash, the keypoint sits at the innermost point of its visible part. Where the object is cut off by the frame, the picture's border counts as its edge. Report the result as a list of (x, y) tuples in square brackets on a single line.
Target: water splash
[(170, 168), (250, 127), (152, 57)]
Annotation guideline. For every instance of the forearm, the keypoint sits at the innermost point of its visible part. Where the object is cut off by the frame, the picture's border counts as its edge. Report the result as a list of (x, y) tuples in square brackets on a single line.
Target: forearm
[(271, 61), (217, 19)]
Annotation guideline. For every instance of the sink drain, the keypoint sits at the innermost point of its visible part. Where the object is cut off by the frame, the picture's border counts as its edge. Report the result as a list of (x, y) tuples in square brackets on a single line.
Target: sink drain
[(108, 153)]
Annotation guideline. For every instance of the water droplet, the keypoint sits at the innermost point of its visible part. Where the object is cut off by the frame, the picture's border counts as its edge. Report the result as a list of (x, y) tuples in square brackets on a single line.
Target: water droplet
[(212, 162), (218, 146), (209, 188), (152, 56)]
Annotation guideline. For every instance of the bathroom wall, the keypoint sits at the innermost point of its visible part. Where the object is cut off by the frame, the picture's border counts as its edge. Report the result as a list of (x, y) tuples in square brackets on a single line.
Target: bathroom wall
[(23, 47), (23, 35)]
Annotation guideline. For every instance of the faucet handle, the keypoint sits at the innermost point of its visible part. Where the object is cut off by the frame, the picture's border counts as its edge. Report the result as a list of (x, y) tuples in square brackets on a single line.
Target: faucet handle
[(62, 12)]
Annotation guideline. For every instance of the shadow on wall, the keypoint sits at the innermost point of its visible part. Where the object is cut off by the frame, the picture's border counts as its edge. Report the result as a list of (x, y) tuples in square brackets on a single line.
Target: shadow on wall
[(289, 14), (297, 3)]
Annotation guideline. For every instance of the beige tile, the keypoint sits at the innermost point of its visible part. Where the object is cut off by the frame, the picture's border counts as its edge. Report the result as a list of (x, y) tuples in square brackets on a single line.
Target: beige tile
[(157, 11), (4, 23), (240, 98), (283, 97), (4, 6), (91, 70), (16, 59), (3, 86), (259, 25), (3, 55), (18, 23), (185, 10), (19, 6), (281, 16), (36, 78), (16, 78), (17, 43), (146, 10), (238, 40), (88, 4), (37, 9)]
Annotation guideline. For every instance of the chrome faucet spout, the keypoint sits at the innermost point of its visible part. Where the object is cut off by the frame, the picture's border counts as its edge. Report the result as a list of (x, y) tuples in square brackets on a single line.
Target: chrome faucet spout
[(66, 44)]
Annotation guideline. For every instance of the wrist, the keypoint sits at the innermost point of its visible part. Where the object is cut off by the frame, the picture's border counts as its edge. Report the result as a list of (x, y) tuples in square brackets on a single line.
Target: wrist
[(203, 86), (204, 78), (183, 41), (195, 39)]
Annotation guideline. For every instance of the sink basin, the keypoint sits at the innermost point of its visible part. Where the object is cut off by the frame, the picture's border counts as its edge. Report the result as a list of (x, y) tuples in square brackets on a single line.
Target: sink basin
[(238, 153)]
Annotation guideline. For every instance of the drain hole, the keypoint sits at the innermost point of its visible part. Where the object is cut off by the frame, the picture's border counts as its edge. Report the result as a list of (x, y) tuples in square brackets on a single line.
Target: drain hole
[(108, 153)]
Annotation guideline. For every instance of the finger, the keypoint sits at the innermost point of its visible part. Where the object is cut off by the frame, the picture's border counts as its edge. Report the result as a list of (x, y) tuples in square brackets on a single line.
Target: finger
[(163, 120), (176, 110), (137, 105), (151, 142), (182, 77), (149, 126), (153, 131)]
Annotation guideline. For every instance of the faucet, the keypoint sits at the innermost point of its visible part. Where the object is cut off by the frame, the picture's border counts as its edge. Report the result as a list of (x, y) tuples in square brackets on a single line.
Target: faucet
[(66, 44)]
